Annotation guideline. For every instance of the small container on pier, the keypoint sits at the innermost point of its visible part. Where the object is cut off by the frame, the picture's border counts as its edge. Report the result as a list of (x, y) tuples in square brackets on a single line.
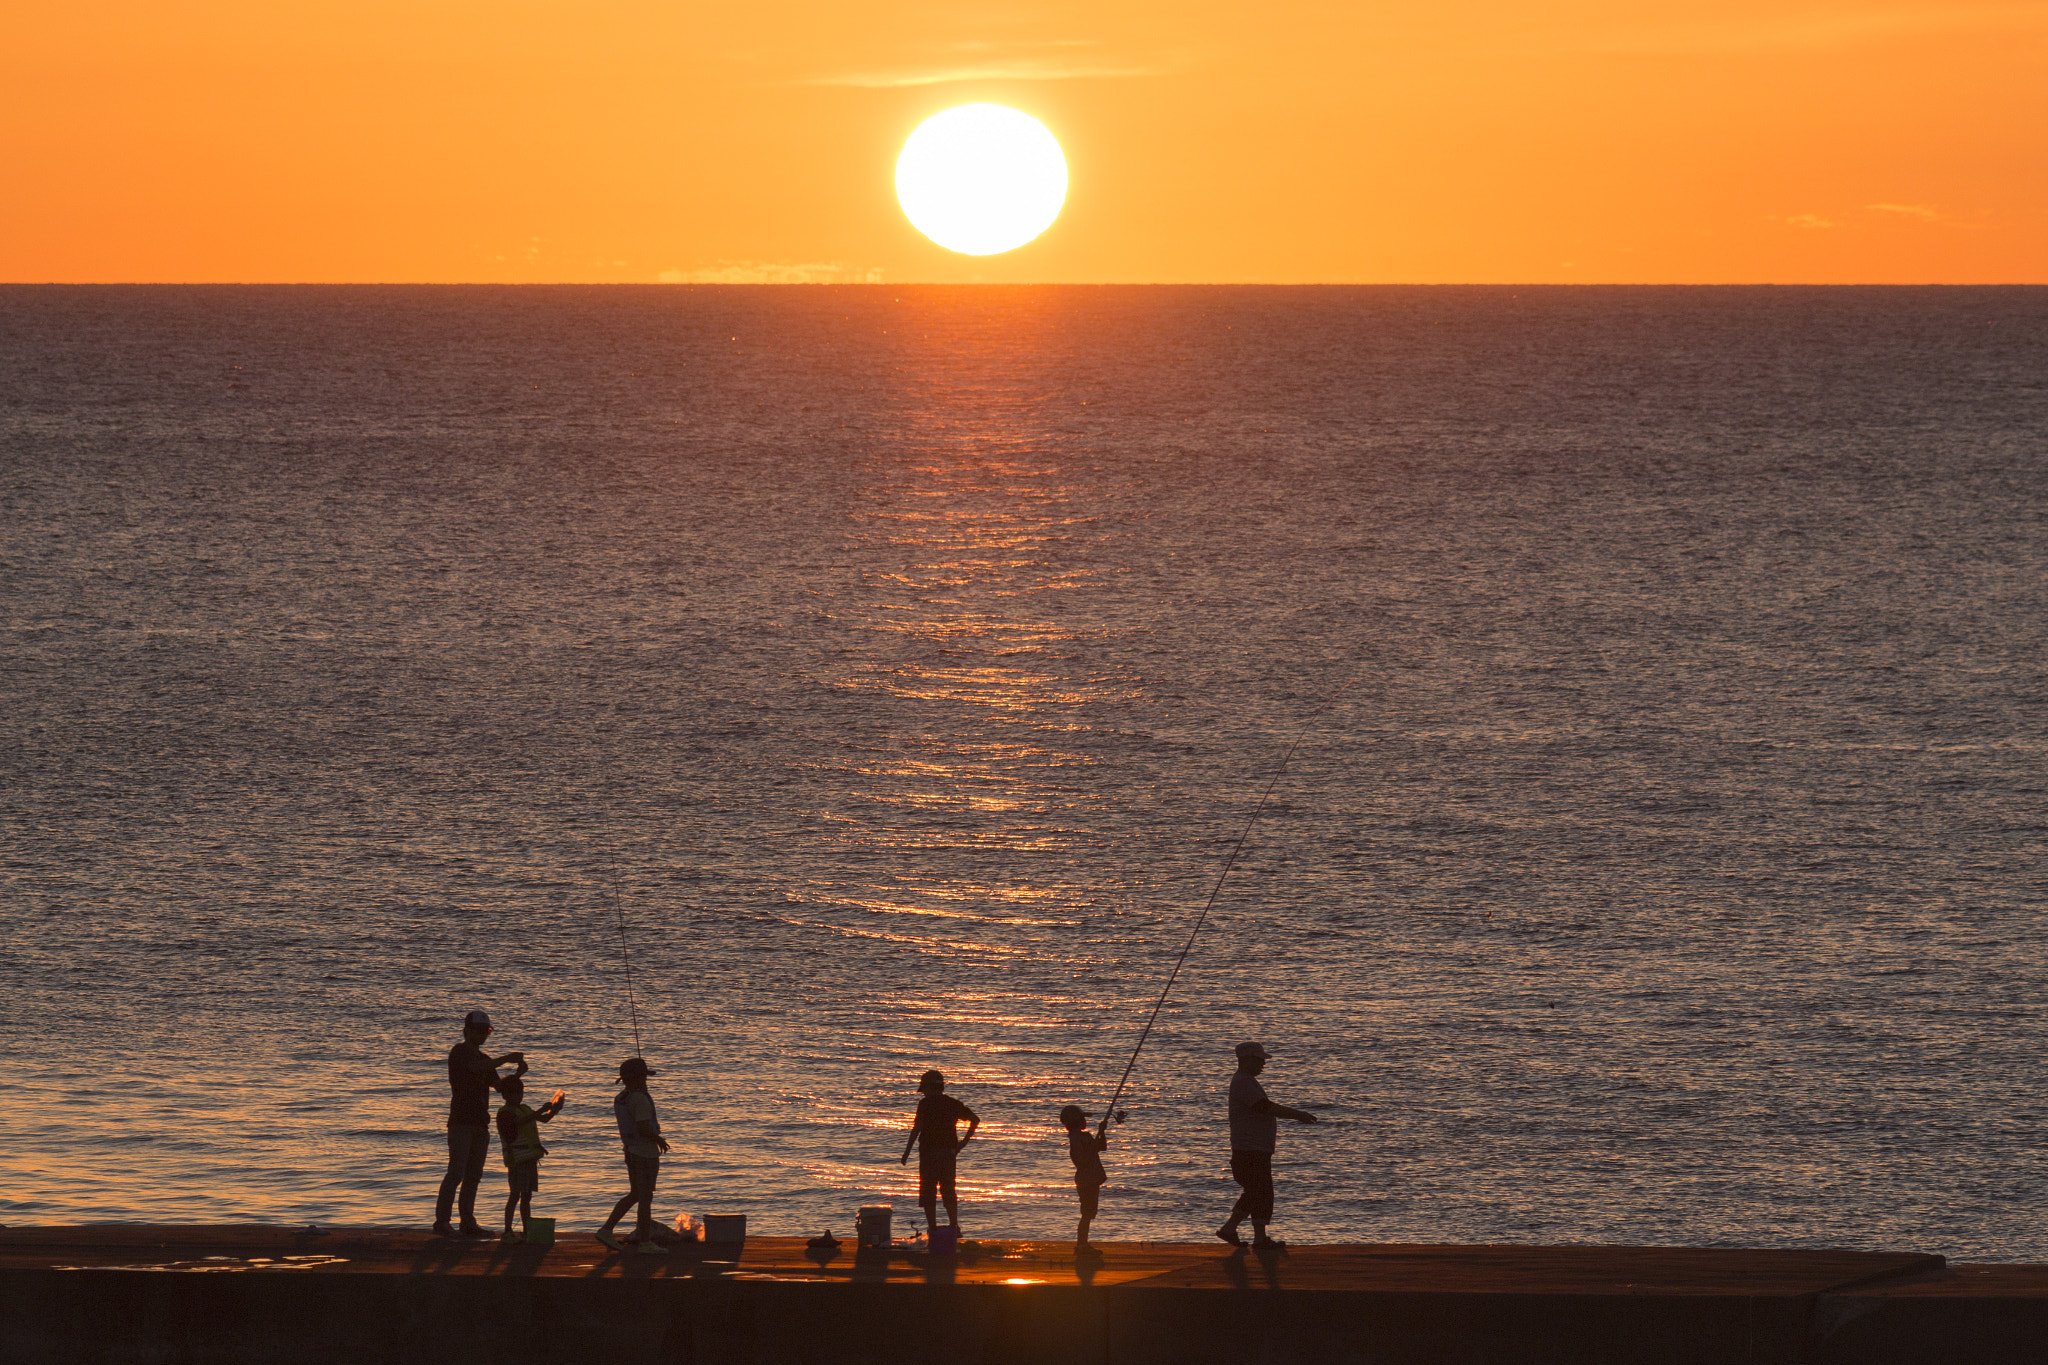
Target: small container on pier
[(872, 1226)]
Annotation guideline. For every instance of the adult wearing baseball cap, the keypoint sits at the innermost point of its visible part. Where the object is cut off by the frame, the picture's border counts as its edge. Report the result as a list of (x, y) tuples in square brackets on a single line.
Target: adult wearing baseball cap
[(1253, 1128), (472, 1076), (640, 1131)]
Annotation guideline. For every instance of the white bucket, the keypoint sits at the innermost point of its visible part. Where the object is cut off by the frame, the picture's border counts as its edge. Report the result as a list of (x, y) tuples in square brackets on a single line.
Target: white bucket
[(871, 1226)]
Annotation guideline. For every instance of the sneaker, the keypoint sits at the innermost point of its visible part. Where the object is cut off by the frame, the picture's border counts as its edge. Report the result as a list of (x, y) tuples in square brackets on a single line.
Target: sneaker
[(650, 1248), (610, 1239), (1229, 1235), (444, 1230), (510, 1236), (1269, 1244), (474, 1230)]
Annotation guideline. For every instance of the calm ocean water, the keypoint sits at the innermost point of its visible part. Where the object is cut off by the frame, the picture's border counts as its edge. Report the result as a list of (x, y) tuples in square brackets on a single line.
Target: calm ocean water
[(1662, 859)]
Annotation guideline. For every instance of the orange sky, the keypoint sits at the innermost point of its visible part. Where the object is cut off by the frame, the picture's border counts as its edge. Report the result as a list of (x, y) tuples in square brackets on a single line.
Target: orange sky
[(1412, 140)]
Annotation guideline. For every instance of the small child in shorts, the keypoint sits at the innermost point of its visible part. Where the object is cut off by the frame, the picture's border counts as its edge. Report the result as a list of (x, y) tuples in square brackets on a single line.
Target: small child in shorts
[(519, 1130), (1084, 1149)]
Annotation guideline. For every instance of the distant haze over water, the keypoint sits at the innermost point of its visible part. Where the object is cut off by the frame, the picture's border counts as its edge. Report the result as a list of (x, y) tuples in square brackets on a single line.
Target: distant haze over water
[(1662, 860)]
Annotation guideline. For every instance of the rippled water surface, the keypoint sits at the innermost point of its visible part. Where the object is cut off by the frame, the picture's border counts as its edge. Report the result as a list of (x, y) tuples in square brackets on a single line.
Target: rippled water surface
[(1661, 861)]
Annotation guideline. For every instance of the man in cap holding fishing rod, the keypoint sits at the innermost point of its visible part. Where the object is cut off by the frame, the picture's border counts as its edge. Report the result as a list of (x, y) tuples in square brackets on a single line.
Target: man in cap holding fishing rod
[(1253, 1131), (472, 1076)]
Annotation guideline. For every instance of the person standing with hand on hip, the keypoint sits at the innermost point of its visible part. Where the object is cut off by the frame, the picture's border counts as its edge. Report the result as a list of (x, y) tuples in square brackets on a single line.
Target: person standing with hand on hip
[(933, 1133), (1253, 1130)]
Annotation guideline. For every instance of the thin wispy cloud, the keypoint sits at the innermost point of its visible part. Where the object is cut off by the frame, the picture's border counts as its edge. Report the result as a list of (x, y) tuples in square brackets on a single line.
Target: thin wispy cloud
[(1055, 59), (1925, 212), (1023, 70), (1810, 220), (775, 272), (1793, 32)]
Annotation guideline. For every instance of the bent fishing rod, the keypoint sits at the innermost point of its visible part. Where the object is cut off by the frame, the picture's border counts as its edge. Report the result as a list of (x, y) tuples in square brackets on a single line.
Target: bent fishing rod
[(1201, 919)]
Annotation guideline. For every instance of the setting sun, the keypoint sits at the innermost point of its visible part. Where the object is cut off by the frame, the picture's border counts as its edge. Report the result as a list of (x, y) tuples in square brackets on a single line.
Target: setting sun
[(981, 179)]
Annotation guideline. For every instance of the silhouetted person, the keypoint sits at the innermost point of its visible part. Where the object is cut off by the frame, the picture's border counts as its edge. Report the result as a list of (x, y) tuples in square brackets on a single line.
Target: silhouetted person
[(472, 1076), (640, 1131), (1084, 1149), (932, 1133), (1252, 1132), (519, 1132)]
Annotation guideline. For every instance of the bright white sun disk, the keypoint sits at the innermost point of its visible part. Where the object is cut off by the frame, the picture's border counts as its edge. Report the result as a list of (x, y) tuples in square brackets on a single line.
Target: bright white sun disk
[(981, 179)]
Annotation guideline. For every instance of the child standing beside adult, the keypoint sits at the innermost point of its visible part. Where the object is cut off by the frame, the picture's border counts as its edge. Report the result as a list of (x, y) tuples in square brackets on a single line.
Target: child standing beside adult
[(519, 1131), (472, 1076)]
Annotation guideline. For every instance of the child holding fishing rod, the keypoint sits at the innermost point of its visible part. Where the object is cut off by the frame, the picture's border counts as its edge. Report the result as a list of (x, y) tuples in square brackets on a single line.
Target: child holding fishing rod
[(1085, 1150)]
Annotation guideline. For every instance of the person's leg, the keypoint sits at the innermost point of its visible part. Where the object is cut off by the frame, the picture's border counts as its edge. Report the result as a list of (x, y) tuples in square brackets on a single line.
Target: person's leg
[(473, 1175), (928, 1194), (1240, 1172), (1260, 1192), (644, 1228), (619, 1211), (604, 1234), (511, 1203), (444, 1202), (1090, 1201), (952, 1198)]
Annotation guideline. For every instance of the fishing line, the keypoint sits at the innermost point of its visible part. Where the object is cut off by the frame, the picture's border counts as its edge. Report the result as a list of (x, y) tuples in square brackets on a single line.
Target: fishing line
[(618, 901), (626, 953), (1214, 892)]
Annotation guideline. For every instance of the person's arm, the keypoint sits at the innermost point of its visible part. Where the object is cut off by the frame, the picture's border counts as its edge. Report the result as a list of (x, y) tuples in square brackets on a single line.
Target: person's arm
[(476, 1060), (552, 1107), (1282, 1111), (650, 1128), (487, 1066), (973, 1122), (908, 1143), (1263, 1105)]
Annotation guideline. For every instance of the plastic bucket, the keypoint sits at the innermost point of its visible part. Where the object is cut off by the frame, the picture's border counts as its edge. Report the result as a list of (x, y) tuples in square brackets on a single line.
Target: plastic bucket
[(871, 1225), (944, 1241), (540, 1232), (725, 1227)]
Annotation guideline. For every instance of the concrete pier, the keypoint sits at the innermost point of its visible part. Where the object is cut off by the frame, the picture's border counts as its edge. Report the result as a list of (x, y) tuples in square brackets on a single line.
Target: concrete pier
[(130, 1295)]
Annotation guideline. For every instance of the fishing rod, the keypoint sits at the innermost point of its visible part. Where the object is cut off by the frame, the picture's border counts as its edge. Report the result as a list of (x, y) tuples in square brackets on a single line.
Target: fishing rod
[(626, 954), (1214, 892)]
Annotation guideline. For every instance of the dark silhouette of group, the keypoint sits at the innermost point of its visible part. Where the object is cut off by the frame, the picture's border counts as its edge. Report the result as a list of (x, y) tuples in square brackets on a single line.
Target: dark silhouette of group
[(934, 1134)]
